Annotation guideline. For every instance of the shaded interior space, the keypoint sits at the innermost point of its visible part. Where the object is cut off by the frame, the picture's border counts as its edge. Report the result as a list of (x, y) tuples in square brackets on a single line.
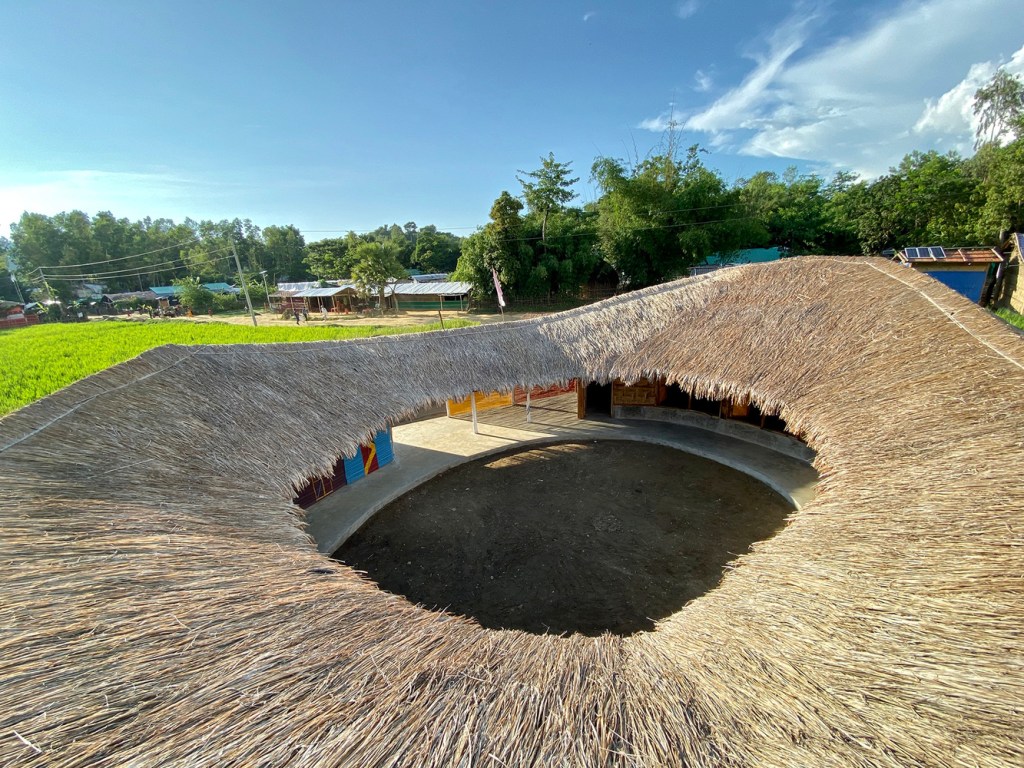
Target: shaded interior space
[(587, 537), (599, 398), (559, 405), (659, 394)]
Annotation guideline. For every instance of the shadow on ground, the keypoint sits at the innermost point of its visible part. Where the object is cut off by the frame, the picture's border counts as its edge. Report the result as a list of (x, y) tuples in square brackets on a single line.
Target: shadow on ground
[(572, 537)]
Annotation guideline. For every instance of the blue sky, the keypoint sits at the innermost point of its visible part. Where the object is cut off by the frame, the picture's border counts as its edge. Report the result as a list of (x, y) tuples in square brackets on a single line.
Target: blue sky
[(342, 115)]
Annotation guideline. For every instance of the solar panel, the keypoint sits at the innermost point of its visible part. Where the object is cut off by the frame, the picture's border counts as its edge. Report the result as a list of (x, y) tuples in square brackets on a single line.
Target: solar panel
[(925, 252)]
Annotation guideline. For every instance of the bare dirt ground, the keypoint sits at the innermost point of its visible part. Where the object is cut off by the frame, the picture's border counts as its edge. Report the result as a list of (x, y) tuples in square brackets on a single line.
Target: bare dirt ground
[(574, 537)]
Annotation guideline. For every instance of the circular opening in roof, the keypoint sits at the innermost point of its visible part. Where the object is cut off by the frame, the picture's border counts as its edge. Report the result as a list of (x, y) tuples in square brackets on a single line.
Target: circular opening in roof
[(572, 537)]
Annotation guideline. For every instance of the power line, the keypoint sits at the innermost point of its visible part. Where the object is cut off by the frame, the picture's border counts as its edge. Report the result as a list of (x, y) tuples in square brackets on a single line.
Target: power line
[(133, 273), (126, 270), (346, 230), (43, 271), (123, 258)]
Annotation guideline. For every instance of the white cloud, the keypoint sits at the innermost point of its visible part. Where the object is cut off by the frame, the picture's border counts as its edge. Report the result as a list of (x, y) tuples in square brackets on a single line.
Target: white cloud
[(733, 109), (687, 8), (703, 81), (857, 102), (953, 112), (736, 108), (589, 15), (658, 124)]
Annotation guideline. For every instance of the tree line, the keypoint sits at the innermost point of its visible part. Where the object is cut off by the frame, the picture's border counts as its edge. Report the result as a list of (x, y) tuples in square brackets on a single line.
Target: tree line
[(658, 216), (58, 252), (654, 218)]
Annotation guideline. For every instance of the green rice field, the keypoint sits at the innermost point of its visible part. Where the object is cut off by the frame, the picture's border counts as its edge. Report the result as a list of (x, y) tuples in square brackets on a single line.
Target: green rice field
[(41, 359)]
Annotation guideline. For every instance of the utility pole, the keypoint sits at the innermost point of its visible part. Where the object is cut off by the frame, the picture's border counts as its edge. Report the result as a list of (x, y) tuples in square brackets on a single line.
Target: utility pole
[(17, 288), (245, 288)]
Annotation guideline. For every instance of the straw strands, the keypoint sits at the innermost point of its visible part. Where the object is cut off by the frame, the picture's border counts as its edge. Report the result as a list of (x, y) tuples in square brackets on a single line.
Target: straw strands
[(161, 604)]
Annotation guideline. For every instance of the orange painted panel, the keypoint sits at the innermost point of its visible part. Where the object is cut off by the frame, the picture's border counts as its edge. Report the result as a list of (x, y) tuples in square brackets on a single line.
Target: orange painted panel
[(484, 401)]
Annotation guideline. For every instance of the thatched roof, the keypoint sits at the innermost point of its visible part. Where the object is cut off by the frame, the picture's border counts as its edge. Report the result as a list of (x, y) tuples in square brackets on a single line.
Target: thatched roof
[(161, 604)]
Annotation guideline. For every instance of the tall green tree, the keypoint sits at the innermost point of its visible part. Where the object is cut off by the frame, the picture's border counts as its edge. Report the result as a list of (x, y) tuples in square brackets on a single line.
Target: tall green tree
[(110, 234), (436, 252), (1000, 172), (843, 199), (284, 253), (934, 199), (37, 242), (568, 259), (507, 250), (928, 199), (547, 189), (194, 295), (248, 240), (161, 245), (999, 107), (474, 259), (499, 245), (375, 266), (78, 247), (208, 258), (665, 215), (791, 208), (331, 258)]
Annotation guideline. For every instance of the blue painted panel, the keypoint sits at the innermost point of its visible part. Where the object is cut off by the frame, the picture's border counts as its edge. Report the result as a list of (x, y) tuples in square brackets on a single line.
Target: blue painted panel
[(967, 283), (354, 468), (385, 451)]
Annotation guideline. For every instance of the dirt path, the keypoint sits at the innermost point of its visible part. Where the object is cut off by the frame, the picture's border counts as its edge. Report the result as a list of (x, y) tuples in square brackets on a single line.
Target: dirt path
[(574, 537)]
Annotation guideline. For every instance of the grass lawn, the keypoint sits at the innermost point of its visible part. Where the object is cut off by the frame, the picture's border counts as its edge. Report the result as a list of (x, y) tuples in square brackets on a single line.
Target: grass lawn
[(41, 359), (1011, 317)]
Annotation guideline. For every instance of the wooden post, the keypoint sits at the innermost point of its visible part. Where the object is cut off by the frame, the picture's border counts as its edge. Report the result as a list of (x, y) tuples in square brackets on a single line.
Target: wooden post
[(472, 404)]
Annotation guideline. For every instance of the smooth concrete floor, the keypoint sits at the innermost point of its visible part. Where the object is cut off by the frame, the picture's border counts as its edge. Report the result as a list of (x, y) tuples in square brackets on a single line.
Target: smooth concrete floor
[(424, 449)]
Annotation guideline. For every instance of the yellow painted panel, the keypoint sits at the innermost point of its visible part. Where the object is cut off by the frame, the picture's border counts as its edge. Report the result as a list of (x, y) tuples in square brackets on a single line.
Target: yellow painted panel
[(484, 401)]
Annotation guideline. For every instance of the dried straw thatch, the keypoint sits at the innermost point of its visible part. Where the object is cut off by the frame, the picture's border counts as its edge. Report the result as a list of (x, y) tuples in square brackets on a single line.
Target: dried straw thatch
[(160, 603)]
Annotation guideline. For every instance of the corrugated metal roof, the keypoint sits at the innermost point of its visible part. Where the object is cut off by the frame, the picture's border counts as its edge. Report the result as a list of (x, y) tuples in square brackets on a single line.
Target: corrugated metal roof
[(174, 290), (333, 290), (125, 295), (221, 288), (433, 289)]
